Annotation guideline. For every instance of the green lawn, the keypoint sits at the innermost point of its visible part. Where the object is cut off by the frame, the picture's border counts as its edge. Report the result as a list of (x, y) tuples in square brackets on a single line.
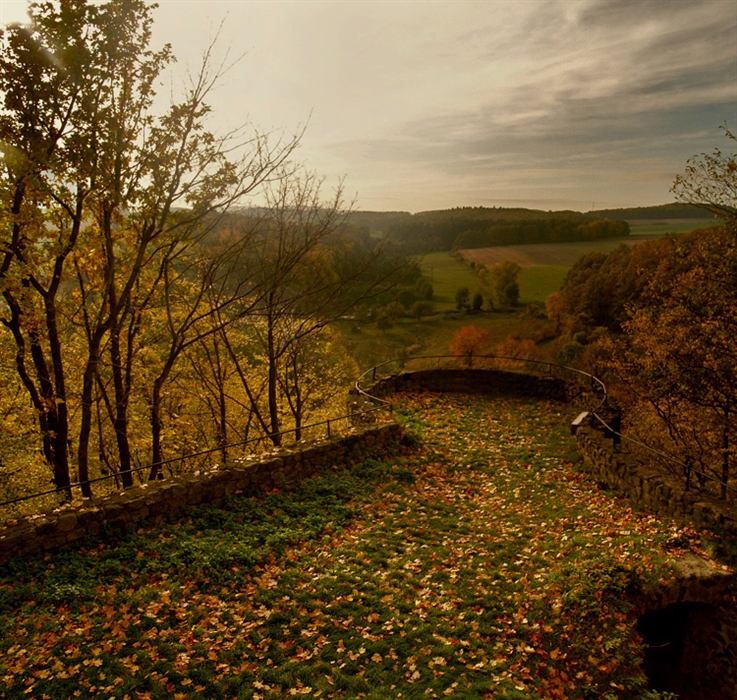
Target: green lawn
[(658, 228), (476, 563), (447, 274)]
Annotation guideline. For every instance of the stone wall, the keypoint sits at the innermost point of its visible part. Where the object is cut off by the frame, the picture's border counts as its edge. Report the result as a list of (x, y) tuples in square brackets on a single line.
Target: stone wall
[(493, 382), (649, 487), (156, 501)]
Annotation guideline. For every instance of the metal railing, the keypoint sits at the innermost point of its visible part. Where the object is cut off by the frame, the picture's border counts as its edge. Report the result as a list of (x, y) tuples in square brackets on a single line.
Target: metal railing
[(328, 423), (595, 384), (596, 387)]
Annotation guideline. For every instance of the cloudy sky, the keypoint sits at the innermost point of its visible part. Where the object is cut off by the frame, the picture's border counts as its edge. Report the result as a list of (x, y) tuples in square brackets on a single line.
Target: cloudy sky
[(426, 105)]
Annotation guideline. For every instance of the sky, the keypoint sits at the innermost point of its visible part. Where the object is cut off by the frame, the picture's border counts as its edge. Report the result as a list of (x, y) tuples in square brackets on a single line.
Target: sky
[(418, 105)]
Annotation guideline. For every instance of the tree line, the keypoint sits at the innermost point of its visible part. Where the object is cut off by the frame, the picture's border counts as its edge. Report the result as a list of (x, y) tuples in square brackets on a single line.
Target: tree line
[(145, 312), (481, 227)]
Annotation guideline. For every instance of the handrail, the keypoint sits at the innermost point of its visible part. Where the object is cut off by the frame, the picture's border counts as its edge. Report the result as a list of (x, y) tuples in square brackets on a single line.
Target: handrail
[(382, 404), (549, 365), (593, 412), (63, 489)]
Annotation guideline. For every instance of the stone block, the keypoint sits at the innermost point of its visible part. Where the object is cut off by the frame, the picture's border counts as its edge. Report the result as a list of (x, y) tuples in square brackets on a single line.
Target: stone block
[(66, 522), (45, 526), (13, 542)]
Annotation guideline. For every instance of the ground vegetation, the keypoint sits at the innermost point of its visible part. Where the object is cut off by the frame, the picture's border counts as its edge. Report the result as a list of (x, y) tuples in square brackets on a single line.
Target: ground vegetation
[(467, 567)]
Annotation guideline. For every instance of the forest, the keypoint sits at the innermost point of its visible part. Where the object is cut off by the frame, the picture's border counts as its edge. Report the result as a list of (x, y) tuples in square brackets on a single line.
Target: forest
[(481, 227)]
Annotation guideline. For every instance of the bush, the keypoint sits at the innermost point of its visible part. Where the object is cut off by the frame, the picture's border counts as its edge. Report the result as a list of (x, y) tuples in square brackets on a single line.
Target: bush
[(462, 297)]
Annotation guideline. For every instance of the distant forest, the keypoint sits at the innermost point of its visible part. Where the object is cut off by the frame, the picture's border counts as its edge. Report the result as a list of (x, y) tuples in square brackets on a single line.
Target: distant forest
[(482, 227), (664, 211)]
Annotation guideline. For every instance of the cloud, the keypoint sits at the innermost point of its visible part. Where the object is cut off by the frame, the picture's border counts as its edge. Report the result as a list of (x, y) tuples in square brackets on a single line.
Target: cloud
[(447, 102), (577, 92)]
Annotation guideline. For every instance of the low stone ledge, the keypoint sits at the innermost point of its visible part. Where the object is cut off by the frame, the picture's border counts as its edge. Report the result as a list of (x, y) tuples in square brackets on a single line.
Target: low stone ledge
[(654, 490), (156, 501), (493, 382), (695, 580)]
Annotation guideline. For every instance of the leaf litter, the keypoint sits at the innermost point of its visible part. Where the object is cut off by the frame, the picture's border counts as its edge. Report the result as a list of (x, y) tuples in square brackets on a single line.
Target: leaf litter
[(479, 564)]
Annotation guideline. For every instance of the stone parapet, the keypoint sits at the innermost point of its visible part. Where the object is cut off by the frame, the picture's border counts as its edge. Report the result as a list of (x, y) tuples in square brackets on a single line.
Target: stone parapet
[(492, 382), (160, 500), (651, 488)]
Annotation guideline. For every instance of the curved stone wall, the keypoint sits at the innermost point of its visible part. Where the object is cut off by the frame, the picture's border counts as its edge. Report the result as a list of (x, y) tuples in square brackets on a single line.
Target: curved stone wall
[(494, 382)]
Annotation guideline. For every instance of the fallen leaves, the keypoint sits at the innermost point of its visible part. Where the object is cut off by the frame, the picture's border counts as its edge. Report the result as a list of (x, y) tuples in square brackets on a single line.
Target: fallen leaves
[(497, 568)]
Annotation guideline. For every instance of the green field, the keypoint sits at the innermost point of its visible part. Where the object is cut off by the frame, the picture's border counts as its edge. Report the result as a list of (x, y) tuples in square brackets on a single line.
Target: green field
[(536, 283), (447, 274)]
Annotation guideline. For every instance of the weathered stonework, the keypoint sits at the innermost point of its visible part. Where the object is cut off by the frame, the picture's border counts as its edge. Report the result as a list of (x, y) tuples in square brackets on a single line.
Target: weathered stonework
[(648, 487), (157, 501), (492, 382)]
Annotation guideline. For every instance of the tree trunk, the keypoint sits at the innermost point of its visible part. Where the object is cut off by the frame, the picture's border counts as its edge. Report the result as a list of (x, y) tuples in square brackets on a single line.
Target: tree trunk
[(120, 422), (725, 455), (272, 387), (157, 455), (50, 405), (85, 427)]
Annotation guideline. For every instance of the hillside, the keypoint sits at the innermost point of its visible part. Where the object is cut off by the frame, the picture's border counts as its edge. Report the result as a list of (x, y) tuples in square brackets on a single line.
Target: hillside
[(481, 227), (478, 227)]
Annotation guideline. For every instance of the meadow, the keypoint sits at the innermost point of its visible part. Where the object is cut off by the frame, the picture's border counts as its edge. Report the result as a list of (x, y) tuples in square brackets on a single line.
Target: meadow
[(544, 269), (475, 561)]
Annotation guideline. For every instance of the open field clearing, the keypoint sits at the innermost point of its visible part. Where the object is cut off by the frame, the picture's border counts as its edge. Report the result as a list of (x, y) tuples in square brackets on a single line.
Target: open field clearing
[(565, 254), (447, 274), (650, 227), (556, 254), (478, 563)]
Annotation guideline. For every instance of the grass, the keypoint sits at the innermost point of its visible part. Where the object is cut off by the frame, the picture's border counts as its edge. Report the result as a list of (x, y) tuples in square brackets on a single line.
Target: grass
[(536, 283), (447, 274), (658, 228), (475, 563)]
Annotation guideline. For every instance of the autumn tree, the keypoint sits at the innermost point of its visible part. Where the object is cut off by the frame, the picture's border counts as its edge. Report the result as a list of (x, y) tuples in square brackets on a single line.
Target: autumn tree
[(469, 341), (95, 192), (514, 351), (675, 363), (600, 288), (502, 279), (314, 372), (309, 271), (710, 181), (50, 77)]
